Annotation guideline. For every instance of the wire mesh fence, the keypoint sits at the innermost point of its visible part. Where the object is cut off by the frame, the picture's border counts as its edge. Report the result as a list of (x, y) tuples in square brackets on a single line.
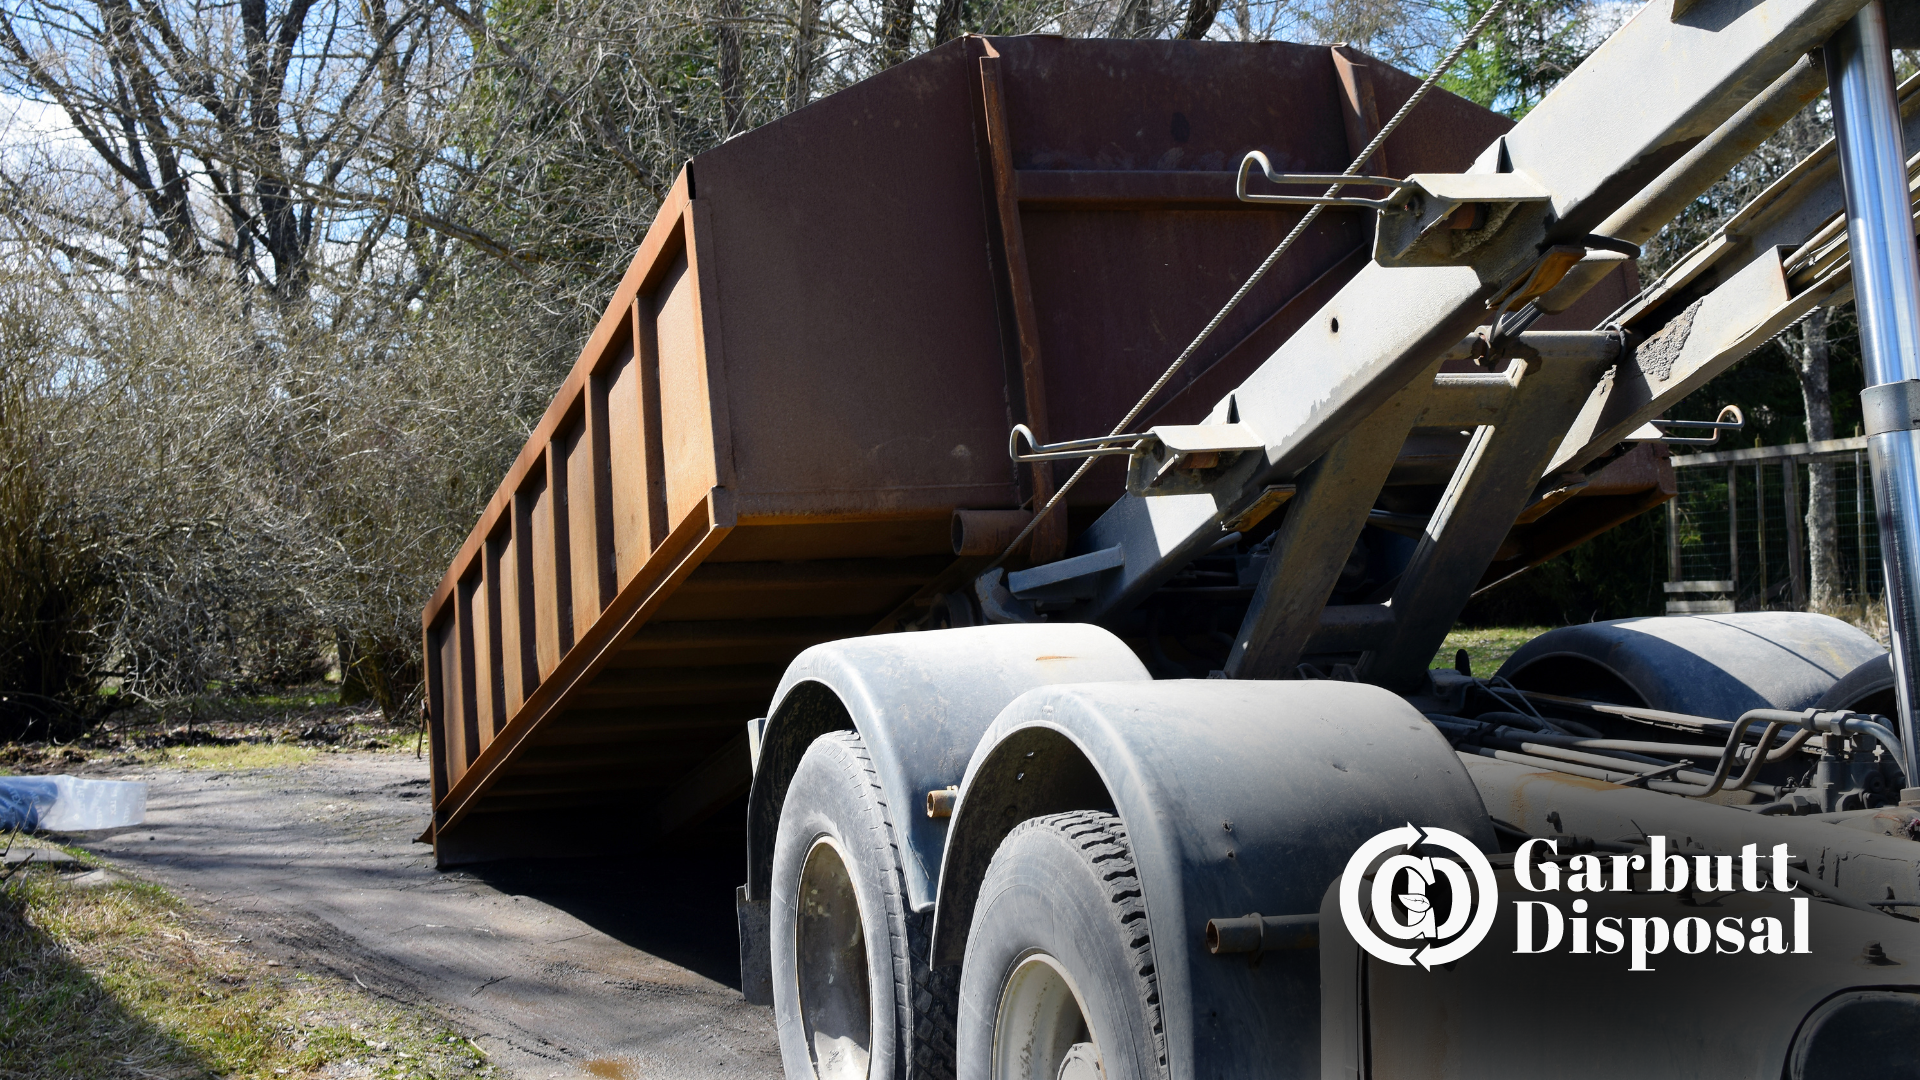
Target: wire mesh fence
[(1739, 530)]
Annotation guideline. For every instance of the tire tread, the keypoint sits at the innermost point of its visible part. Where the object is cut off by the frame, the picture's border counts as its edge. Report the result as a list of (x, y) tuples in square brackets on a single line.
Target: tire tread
[(1101, 839), (926, 997)]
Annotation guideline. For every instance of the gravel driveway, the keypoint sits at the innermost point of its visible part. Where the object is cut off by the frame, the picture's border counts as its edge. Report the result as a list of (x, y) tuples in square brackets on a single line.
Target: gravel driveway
[(613, 968)]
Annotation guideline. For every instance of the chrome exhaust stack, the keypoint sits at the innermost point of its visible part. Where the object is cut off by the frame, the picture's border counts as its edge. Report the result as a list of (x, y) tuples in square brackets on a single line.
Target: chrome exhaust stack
[(1886, 276)]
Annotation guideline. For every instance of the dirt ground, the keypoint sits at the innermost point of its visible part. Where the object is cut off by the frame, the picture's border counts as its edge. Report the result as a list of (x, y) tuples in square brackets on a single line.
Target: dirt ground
[(620, 967)]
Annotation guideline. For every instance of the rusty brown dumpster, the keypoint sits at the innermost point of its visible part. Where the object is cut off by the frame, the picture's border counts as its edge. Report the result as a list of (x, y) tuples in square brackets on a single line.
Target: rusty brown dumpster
[(814, 361)]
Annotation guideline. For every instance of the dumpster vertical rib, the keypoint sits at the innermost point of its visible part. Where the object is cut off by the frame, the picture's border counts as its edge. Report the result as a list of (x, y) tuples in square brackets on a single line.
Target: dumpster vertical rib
[(466, 719), (1050, 537), (703, 265), (505, 611), (636, 519), (552, 562), (1361, 112), (533, 569)]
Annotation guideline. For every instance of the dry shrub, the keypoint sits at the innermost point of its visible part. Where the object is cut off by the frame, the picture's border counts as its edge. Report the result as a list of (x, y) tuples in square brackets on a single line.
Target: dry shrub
[(53, 587)]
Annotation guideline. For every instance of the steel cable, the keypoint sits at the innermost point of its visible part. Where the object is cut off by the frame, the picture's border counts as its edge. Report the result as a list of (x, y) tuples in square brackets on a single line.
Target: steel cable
[(1306, 220)]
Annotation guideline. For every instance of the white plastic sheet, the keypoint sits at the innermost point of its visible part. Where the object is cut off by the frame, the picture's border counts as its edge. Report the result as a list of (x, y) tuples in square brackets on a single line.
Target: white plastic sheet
[(69, 803)]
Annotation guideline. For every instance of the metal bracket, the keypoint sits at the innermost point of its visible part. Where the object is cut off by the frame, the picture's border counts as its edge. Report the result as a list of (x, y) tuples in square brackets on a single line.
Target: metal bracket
[(1454, 214), (1893, 406), (1418, 213), (1184, 459), (1068, 579)]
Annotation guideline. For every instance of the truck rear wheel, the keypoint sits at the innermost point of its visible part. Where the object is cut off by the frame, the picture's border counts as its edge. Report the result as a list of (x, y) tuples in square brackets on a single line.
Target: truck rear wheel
[(853, 995), (1058, 981)]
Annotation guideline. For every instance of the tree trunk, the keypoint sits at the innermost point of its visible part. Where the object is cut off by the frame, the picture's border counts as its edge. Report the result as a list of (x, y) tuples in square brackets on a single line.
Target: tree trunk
[(1135, 20), (896, 34), (947, 20), (1823, 534), (732, 75), (1200, 17), (806, 33)]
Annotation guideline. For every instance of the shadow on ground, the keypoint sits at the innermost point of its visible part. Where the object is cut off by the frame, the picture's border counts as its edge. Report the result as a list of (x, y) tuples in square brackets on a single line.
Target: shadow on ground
[(673, 900), (57, 1021)]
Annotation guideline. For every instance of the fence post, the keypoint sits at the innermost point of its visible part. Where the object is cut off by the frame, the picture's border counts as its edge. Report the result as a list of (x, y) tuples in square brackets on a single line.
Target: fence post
[(1673, 539), (1760, 525), (1733, 532), (1796, 552), (1861, 591)]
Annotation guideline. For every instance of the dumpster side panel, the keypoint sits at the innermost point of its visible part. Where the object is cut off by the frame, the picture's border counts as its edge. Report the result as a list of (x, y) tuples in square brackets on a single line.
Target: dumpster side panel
[(876, 271), (1123, 285)]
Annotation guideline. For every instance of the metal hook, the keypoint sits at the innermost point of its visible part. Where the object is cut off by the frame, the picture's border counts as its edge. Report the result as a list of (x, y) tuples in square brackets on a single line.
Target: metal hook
[(1403, 192), (1104, 446), (1659, 432)]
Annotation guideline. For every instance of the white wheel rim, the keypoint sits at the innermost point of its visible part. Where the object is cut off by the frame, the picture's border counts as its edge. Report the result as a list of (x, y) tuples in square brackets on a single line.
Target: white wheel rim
[(830, 953), (1041, 1019)]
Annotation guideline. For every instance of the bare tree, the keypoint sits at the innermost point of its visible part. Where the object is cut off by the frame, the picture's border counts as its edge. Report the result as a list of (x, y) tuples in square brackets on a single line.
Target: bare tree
[(247, 212), (896, 32), (804, 51), (1199, 20), (1823, 531), (247, 134)]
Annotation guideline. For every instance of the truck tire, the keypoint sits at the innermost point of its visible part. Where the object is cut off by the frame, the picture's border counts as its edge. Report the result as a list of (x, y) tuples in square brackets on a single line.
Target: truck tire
[(1058, 979), (1868, 688), (853, 993)]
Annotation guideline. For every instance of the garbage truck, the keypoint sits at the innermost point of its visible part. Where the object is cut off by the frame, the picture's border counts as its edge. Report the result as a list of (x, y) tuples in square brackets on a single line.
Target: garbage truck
[(1029, 489)]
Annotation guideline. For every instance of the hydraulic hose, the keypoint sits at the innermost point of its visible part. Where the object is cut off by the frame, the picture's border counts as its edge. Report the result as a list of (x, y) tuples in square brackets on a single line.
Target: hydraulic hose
[(1633, 755), (1809, 721)]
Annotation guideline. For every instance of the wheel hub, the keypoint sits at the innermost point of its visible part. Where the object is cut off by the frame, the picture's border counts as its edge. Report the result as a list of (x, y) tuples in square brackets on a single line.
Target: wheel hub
[(1041, 1031), (836, 1008)]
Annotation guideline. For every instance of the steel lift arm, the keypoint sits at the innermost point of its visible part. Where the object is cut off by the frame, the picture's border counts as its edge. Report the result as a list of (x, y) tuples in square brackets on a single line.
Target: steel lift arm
[(1324, 418)]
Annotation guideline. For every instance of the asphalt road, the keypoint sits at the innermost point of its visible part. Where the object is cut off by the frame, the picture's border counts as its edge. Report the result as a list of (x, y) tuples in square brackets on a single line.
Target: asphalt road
[(614, 968)]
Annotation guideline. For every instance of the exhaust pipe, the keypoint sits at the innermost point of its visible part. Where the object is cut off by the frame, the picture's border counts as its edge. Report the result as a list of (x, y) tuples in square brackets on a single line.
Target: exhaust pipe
[(1886, 281)]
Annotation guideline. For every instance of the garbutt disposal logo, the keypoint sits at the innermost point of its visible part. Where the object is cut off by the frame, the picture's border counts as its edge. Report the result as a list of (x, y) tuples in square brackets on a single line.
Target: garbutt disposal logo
[(1427, 896), (1441, 907)]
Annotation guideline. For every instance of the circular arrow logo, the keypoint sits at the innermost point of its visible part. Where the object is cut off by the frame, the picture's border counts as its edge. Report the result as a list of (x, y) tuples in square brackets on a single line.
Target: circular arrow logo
[(1440, 907)]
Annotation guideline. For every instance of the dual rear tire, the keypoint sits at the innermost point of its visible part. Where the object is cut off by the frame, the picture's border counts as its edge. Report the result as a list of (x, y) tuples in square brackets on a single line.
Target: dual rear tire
[(854, 997), (1058, 981)]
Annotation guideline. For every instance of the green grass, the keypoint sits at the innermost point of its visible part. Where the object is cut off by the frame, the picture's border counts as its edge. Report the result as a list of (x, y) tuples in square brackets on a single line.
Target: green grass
[(225, 758), (1486, 648), (123, 980)]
